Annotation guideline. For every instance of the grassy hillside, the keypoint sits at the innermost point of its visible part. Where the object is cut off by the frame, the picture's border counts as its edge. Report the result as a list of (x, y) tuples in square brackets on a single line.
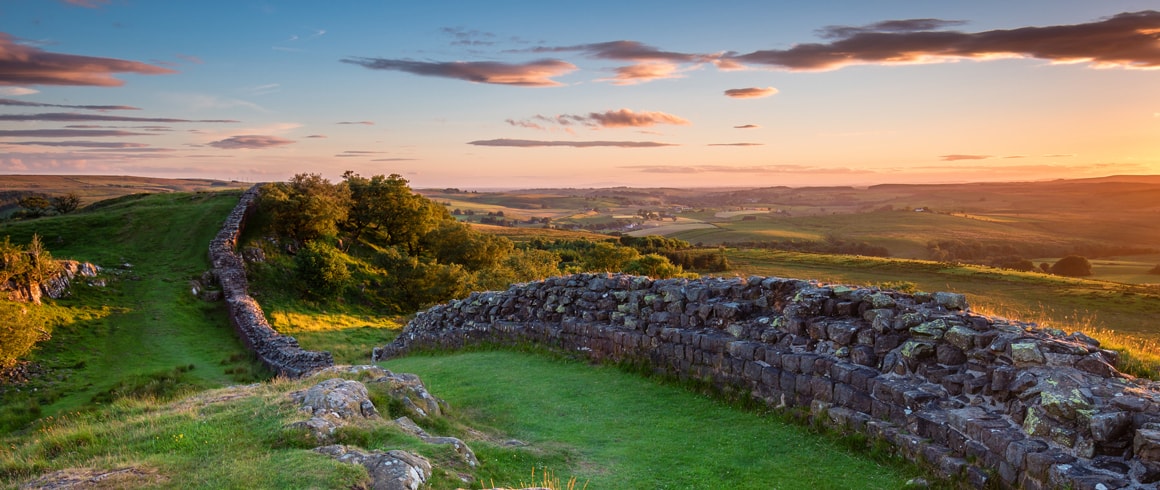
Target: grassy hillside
[(93, 188), (145, 328)]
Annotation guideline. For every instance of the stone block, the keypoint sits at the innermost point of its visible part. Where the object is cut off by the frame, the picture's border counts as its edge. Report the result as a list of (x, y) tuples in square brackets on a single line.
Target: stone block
[(1146, 445), (1026, 353)]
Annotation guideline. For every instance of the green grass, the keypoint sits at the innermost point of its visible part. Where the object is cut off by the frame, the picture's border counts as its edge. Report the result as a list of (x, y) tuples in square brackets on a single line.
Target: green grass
[(236, 443), (612, 429), (146, 321)]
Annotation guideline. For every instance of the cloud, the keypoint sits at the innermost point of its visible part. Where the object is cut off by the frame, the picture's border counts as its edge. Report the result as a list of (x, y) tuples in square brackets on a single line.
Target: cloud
[(736, 144), (250, 142), (531, 74), (747, 126), (650, 63), (364, 123), (394, 160), (28, 103), (26, 65), (465, 37), (753, 169), (132, 150), (621, 118), (907, 25), (750, 93), (1126, 40), (92, 4), (316, 136), (86, 144), (358, 153), (574, 144), (17, 91), (955, 158), (644, 72), (72, 117), (65, 133)]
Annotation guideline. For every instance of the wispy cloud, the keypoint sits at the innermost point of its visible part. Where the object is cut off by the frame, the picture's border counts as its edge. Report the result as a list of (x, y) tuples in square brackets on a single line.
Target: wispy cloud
[(250, 142), (736, 144), (753, 169), (316, 136), (649, 63), (66, 133), (364, 123), (644, 72), (394, 160), (84, 144), (469, 37), (574, 144), (27, 65), (1126, 40), (750, 92), (358, 153), (23, 103), (620, 118), (92, 4), (531, 74), (75, 117), (957, 157), (747, 126)]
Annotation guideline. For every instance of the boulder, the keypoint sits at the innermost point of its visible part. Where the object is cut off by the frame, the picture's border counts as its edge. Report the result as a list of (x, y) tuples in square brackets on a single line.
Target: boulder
[(390, 470)]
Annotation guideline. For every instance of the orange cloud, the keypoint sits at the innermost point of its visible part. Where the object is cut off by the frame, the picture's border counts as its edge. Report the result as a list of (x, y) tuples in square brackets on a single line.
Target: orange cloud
[(532, 74), (574, 144), (955, 158), (26, 65), (644, 72), (750, 93), (250, 142), (84, 144), (736, 144), (1126, 40)]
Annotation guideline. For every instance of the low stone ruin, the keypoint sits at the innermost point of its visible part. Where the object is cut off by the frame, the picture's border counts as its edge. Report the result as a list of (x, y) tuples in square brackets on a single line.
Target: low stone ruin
[(980, 400), (280, 353), (56, 286)]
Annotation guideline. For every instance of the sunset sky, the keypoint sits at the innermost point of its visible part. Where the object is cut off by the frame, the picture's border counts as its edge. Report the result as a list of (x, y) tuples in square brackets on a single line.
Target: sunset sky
[(578, 94)]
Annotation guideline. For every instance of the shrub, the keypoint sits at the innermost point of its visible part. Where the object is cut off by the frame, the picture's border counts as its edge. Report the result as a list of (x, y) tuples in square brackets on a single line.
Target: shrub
[(1072, 266), (20, 329), (322, 269), (1155, 270)]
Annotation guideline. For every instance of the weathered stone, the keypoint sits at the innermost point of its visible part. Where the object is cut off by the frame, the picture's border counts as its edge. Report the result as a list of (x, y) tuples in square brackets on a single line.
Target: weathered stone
[(1064, 405), (951, 301), (391, 470), (1146, 445), (961, 337), (1109, 425), (343, 398), (1024, 353), (933, 330)]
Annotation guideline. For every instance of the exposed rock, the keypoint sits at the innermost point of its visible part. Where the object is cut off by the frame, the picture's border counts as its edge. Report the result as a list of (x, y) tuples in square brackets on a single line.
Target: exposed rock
[(55, 286), (391, 470), (89, 478)]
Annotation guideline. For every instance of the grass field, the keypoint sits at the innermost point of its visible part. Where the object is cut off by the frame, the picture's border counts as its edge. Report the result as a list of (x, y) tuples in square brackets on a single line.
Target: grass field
[(609, 429), (145, 322)]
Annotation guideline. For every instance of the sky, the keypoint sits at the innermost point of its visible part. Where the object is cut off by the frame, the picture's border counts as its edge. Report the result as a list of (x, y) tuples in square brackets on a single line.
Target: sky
[(521, 94)]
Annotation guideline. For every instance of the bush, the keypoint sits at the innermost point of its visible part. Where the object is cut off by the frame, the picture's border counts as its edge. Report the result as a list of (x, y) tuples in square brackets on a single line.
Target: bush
[(322, 269), (1072, 266), (1155, 270), (20, 329)]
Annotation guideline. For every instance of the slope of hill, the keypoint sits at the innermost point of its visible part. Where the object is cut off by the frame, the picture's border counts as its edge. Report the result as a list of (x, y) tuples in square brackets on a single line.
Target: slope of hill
[(93, 188)]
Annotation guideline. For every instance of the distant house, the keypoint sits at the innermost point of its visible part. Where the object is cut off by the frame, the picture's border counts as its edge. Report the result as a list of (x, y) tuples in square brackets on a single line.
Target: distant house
[(920, 210)]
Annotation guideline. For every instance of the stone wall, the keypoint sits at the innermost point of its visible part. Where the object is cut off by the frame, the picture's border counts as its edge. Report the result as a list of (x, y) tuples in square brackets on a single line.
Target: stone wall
[(279, 352), (981, 400)]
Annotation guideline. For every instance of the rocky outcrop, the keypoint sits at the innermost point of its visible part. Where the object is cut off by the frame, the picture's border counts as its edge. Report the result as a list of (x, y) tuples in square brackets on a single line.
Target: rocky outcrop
[(981, 400), (390, 470), (56, 286), (280, 353)]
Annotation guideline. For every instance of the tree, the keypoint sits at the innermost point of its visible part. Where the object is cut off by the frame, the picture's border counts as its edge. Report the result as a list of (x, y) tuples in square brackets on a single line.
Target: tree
[(456, 243), (26, 267), (67, 203), (387, 206), (1072, 266), (307, 207)]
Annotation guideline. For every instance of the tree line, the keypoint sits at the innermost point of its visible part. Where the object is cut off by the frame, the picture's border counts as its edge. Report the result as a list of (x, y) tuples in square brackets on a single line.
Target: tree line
[(376, 241)]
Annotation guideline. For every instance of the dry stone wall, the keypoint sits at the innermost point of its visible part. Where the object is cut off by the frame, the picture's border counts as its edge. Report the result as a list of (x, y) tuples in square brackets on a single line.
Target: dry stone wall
[(985, 401), (280, 353)]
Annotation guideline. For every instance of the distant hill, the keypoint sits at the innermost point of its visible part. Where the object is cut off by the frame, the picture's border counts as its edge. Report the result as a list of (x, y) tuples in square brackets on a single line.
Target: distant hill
[(93, 188)]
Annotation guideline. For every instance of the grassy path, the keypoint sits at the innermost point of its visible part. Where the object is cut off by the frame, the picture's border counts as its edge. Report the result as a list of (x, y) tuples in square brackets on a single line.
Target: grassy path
[(616, 430), (146, 321)]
